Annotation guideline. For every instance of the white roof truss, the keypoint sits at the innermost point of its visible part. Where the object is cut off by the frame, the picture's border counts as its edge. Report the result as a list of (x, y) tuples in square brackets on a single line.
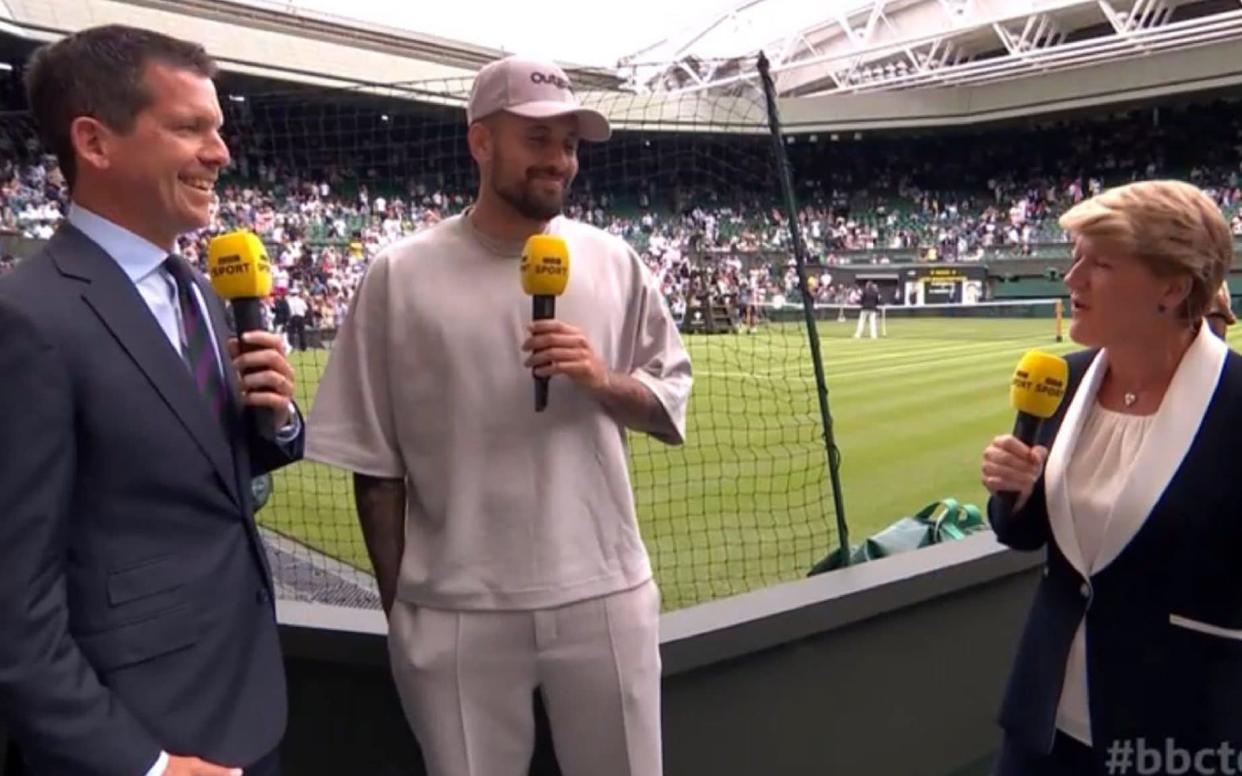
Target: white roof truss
[(900, 44)]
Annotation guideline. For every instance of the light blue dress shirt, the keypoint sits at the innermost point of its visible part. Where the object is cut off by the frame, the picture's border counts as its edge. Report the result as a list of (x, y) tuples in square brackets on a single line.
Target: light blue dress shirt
[(143, 263)]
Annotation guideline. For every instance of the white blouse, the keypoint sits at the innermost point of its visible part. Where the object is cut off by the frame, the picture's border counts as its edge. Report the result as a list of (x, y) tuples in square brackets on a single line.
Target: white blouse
[(1108, 445)]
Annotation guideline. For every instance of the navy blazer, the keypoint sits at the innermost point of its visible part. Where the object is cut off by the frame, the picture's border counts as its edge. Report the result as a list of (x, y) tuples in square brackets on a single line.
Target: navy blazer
[(1163, 601), (136, 605)]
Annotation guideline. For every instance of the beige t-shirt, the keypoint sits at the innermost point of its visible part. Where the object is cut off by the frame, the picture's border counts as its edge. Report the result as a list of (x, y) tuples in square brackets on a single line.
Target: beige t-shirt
[(507, 508), (1107, 446)]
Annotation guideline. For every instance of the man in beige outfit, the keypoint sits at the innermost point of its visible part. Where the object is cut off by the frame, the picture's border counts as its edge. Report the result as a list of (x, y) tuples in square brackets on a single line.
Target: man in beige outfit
[(505, 541)]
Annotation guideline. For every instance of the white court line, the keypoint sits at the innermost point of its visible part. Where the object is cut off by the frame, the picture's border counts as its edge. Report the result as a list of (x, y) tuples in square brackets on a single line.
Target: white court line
[(753, 376), (852, 356), (888, 369)]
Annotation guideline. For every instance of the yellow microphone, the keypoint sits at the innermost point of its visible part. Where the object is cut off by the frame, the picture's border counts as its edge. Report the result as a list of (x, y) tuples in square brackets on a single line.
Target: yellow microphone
[(240, 272), (1037, 388), (545, 273), (1035, 392)]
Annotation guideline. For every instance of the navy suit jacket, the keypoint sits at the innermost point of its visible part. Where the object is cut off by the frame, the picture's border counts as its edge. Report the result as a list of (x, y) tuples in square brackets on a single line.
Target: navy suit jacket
[(1163, 600), (136, 605)]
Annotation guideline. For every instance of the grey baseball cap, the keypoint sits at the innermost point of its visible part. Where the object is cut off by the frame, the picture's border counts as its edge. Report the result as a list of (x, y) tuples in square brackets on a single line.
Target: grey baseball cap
[(535, 89)]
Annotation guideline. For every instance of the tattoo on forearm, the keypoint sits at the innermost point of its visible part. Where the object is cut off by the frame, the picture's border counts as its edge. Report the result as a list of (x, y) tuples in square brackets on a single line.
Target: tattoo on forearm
[(381, 511), (635, 406)]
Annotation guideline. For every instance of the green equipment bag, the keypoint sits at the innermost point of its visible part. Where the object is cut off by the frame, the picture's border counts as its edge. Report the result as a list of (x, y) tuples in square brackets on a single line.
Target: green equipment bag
[(939, 521)]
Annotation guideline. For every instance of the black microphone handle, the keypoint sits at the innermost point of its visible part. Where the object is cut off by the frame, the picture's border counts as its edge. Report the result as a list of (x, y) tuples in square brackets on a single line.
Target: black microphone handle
[(1025, 428), (248, 316), (1008, 499), (543, 308)]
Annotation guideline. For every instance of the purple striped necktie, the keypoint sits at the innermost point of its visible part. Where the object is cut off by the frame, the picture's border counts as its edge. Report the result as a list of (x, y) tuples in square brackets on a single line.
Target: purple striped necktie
[(197, 348)]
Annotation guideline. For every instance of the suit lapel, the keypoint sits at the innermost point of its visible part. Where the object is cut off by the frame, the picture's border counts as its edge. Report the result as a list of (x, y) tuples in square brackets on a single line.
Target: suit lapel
[(1172, 432), (1060, 517), (117, 303)]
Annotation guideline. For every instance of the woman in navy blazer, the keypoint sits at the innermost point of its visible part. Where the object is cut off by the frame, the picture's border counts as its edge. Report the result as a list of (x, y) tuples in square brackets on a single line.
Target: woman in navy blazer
[(1131, 660)]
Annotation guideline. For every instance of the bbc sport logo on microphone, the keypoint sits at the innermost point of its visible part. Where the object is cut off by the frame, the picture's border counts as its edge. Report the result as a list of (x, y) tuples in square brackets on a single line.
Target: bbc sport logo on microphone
[(1047, 384), (233, 265), (238, 266), (1038, 384), (546, 265)]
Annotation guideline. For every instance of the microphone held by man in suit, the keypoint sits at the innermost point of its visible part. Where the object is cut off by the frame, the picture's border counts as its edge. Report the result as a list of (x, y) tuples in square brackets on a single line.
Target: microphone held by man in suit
[(242, 274)]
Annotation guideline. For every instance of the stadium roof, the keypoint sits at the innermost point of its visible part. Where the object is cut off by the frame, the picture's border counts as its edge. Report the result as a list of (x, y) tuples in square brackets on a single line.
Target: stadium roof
[(898, 44), (851, 73), (276, 39)]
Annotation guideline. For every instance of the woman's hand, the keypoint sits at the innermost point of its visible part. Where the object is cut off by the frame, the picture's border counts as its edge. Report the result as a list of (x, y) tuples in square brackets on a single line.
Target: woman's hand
[(1010, 465)]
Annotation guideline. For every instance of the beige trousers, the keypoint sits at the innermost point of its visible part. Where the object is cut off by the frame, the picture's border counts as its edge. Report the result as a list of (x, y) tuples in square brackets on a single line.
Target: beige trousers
[(466, 680)]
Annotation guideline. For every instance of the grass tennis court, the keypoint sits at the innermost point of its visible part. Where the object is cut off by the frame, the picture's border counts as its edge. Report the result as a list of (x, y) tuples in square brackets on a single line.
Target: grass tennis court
[(746, 502)]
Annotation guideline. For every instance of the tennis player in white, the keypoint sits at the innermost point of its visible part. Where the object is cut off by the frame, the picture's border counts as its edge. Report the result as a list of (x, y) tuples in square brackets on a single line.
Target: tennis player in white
[(504, 541)]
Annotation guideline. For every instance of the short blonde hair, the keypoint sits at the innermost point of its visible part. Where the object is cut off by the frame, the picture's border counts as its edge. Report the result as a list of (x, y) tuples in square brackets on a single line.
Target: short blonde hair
[(1171, 226)]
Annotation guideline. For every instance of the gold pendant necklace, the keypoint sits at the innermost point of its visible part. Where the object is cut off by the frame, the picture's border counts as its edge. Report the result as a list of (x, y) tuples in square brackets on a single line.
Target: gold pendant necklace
[(1129, 399)]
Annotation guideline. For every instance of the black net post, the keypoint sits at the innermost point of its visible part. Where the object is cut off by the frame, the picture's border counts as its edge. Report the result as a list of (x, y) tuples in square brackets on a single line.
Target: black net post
[(808, 303)]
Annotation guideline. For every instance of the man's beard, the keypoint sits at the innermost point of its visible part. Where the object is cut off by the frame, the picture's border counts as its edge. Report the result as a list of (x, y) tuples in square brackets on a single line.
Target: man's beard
[(522, 198)]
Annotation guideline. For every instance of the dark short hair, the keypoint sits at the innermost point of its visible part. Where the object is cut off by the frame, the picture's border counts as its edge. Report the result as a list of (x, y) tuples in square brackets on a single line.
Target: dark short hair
[(98, 72)]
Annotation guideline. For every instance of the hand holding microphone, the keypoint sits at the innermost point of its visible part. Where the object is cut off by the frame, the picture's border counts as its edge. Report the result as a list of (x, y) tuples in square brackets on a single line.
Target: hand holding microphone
[(555, 347), (1011, 463), (1011, 468), (545, 273), (241, 273)]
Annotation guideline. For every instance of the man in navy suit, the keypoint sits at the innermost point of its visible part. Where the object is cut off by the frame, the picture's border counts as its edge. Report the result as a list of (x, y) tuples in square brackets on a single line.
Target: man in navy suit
[(137, 625)]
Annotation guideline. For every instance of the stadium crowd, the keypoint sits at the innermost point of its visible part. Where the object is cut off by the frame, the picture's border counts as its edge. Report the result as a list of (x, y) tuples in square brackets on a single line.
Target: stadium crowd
[(861, 200)]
